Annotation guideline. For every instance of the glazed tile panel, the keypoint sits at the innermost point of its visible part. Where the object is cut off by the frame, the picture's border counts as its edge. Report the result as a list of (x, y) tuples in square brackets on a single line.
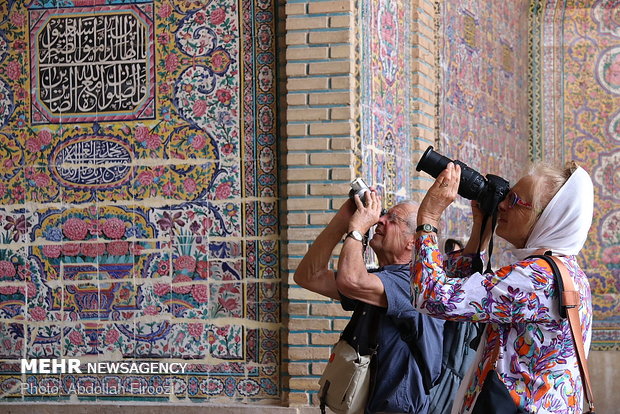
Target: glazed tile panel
[(483, 103), (385, 101), (581, 121), (138, 203)]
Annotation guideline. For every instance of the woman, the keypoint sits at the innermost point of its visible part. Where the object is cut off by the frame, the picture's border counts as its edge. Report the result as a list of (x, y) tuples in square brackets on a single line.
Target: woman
[(549, 209)]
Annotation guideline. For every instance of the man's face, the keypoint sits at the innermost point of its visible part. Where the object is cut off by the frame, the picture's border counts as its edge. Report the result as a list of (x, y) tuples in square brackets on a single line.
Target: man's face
[(393, 232)]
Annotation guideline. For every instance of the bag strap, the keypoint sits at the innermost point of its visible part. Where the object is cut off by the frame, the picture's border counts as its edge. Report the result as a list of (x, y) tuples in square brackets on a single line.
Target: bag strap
[(372, 342), (360, 310), (347, 332), (569, 305), (409, 334)]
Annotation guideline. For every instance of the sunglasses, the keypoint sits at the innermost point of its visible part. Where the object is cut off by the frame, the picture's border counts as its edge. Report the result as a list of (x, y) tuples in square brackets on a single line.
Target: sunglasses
[(514, 200)]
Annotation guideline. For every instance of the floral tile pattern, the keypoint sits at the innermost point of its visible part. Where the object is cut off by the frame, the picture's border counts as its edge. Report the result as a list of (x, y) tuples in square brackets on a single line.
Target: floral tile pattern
[(136, 215), (586, 128), (386, 55)]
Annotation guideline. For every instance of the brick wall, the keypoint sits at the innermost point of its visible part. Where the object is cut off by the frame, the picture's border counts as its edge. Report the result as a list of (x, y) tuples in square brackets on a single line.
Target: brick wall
[(319, 151)]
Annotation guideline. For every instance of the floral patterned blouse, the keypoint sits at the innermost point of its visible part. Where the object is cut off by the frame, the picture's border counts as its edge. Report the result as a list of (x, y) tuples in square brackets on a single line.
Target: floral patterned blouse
[(537, 360)]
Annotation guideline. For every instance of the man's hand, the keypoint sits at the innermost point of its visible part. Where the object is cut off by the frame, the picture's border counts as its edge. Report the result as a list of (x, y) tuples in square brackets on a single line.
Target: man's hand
[(367, 215), (340, 221), (353, 280)]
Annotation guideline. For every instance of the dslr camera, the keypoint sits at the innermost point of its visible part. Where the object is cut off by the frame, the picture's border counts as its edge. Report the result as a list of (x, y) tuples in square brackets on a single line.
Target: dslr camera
[(488, 192)]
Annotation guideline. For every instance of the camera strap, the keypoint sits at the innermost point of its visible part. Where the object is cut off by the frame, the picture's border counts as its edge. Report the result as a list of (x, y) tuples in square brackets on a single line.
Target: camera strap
[(477, 263)]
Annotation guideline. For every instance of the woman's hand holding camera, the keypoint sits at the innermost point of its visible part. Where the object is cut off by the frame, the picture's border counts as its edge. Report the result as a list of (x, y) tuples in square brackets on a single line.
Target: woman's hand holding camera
[(441, 194), (474, 239)]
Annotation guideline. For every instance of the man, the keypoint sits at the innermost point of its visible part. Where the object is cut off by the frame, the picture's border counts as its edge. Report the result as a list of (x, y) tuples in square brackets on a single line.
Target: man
[(398, 384)]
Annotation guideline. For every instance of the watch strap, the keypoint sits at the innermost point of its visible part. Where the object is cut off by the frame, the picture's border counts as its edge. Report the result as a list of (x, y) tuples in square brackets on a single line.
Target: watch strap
[(355, 235), (428, 228)]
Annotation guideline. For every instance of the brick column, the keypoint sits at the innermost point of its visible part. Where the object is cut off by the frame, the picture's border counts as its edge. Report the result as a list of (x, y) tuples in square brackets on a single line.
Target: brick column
[(319, 151), (319, 159), (425, 84)]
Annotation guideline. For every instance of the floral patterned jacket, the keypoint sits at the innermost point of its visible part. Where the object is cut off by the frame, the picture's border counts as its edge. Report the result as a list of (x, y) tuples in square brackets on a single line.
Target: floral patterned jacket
[(537, 360)]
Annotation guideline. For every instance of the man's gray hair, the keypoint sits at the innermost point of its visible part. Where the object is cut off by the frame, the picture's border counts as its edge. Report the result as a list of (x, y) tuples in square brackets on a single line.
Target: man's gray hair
[(412, 219)]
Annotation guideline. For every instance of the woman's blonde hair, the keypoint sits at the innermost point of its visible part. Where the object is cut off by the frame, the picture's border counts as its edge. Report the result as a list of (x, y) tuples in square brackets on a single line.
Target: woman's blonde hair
[(547, 182)]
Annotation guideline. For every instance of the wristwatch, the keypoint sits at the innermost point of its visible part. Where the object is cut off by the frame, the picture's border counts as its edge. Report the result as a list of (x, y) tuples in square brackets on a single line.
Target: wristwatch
[(427, 228), (355, 235)]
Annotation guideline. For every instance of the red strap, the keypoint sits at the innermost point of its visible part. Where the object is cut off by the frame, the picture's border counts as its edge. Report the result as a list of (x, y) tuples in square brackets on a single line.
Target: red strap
[(571, 297)]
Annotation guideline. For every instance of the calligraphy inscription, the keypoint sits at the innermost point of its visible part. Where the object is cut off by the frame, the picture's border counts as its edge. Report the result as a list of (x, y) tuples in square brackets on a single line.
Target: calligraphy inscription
[(92, 163), (93, 64)]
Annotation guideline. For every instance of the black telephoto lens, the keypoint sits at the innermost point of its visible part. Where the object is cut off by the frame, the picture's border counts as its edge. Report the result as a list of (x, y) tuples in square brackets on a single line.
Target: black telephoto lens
[(432, 162), (473, 186), (472, 182)]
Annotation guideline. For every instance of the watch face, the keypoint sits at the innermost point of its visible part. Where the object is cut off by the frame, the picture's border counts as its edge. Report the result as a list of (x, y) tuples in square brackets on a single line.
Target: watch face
[(428, 228), (356, 235)]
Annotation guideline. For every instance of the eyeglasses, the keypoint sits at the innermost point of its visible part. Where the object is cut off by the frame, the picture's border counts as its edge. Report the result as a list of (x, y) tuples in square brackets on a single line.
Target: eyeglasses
[(513, 200), (393, 218)]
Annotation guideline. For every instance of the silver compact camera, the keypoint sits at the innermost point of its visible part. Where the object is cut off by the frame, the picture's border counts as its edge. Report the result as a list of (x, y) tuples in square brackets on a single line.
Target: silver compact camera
[(359, 187)]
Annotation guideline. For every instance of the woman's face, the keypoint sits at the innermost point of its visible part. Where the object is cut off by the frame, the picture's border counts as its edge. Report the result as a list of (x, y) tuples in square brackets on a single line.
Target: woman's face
[(515, 213)]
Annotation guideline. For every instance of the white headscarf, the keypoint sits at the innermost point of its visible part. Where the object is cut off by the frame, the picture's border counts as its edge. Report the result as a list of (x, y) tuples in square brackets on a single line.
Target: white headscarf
[(564, 224)]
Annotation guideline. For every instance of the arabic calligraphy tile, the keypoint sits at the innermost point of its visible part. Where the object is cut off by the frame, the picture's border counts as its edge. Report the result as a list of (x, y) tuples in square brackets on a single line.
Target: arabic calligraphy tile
[(200, 134), (88, 162), (118, 81)]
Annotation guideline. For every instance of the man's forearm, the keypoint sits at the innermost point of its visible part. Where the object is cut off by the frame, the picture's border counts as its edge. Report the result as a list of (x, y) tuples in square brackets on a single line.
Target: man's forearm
[(351, 261), (354, 281), (313, 271), (320, 251)]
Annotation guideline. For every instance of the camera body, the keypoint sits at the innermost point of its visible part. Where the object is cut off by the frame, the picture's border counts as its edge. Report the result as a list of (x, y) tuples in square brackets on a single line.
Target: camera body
[(488, 192), (359, 187)]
